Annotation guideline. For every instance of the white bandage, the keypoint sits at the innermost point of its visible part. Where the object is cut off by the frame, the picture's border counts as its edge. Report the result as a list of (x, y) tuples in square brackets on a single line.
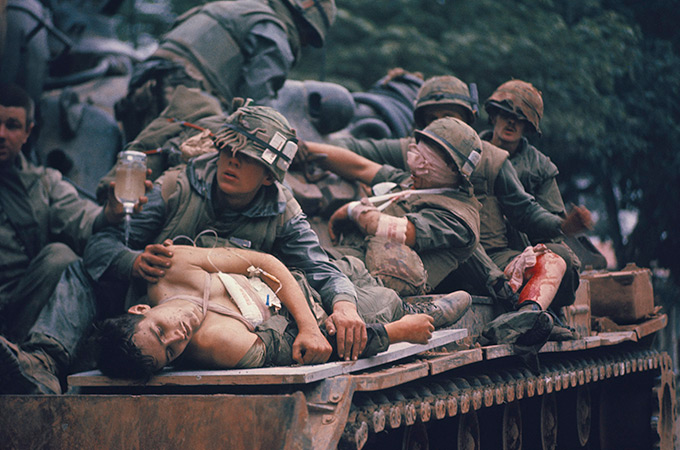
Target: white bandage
[(392, 228), (356, 209)]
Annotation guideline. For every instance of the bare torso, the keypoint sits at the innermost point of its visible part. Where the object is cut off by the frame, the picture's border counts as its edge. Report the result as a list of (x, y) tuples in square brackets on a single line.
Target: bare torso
[(221, 341)]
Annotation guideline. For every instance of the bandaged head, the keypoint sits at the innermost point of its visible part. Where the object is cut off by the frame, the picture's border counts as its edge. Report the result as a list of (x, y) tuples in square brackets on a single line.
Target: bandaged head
[(457, 139)]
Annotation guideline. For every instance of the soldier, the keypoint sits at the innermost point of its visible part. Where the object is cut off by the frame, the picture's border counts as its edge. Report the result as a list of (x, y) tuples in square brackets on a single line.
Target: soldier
[(236, 193), (420, 236), (220, 308), (496, 186), (515, 110), (44, 224), (239, 48)]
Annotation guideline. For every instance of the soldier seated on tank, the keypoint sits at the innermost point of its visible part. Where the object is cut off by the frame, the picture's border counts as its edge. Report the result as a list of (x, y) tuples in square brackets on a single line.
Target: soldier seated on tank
[(222, 308), (498, 188), (429, 224)]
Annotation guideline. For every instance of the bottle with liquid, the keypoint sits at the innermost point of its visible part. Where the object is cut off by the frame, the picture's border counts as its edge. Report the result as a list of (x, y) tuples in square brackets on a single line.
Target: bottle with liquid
[(130, 177)]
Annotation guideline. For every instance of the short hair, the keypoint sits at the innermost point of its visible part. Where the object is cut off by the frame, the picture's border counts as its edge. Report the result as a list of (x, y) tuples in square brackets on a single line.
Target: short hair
[(118, 356), (14, 95)]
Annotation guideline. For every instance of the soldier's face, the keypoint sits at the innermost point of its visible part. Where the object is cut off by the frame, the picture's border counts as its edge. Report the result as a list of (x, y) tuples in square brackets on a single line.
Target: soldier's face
[(240, 177), (165, 330), (434, 112), (13, 132), (508, 129), (430, 167)]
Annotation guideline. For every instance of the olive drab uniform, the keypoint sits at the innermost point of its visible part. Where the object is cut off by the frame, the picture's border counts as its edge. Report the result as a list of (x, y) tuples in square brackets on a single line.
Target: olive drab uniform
[(214, 47), (537, 173), (483, 179), (439, 262), (214, 54), (44, 226)]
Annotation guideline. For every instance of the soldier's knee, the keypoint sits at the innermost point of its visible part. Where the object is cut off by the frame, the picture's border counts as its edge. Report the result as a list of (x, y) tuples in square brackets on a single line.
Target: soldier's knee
[(56, 256)]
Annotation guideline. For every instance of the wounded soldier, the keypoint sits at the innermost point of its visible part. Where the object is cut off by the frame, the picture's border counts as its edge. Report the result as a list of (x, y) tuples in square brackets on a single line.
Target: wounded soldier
[(226, 308)]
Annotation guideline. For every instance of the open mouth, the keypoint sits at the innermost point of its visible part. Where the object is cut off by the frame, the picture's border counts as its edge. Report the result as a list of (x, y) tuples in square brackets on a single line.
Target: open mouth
[(229, 176)]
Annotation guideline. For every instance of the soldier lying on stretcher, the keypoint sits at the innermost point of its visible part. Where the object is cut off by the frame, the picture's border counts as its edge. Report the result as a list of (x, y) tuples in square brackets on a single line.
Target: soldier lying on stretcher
[(231, 308)]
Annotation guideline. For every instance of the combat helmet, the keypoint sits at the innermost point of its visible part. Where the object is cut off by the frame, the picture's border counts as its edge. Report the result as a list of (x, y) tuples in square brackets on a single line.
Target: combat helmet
[(457, 139), (446, 90), (519, 98), (319, 15), (262, 133)]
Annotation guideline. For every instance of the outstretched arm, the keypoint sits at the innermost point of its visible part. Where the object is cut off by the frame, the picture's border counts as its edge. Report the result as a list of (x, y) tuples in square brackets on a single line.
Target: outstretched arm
[(344, 162), (310, 346)]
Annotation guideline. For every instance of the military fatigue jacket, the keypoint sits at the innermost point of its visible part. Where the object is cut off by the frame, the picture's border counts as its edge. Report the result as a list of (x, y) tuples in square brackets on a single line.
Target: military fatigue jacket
[(60, 213), (537, 173), (273, 223), (241, 48), (447, 224)]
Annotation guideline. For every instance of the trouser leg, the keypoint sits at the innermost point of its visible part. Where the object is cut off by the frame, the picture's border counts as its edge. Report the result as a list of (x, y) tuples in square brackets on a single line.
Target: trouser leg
[(375, 302), (476, 275), (35, 288), (67, 316)]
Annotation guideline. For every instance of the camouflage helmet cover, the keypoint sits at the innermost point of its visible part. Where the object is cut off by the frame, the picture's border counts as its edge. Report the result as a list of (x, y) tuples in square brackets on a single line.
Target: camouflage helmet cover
[(318, 14), (457, 139), (446, 90), (262, 133), (519, 98)]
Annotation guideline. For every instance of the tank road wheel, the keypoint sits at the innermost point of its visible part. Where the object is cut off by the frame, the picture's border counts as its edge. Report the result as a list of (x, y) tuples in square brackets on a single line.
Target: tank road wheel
[(512, 427), (575, 417), (540, 424), (501, 427), (415, 437), (468, 432), (663, 407), (625, 411)]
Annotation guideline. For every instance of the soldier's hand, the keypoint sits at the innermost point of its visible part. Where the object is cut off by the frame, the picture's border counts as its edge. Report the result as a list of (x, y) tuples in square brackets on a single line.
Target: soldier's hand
[(152, 263), (311, 348), (417, 328), (349, 330), (578, 220), (338, 220), (113, 209)]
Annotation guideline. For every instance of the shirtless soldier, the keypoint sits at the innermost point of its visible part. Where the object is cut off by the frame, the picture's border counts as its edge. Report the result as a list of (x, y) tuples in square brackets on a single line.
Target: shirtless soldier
[(213, 308)]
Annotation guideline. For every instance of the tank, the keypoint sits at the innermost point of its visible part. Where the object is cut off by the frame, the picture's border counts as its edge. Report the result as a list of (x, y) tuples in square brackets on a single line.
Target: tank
[(609, 389)]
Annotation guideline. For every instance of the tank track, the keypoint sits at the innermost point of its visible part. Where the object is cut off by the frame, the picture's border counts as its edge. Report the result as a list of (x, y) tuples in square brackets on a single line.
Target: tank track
[(487, 384)]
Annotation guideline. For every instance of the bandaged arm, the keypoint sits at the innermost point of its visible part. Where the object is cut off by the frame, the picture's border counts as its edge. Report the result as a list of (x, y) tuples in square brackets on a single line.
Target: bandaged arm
[(374, 223)]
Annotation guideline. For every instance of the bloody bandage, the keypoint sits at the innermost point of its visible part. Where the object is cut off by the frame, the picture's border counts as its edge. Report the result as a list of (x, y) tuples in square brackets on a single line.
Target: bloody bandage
[(392, 228)]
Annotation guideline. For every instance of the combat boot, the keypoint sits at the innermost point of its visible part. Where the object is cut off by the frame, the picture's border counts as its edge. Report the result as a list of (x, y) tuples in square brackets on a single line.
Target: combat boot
[(445, 310), (26, 372)]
